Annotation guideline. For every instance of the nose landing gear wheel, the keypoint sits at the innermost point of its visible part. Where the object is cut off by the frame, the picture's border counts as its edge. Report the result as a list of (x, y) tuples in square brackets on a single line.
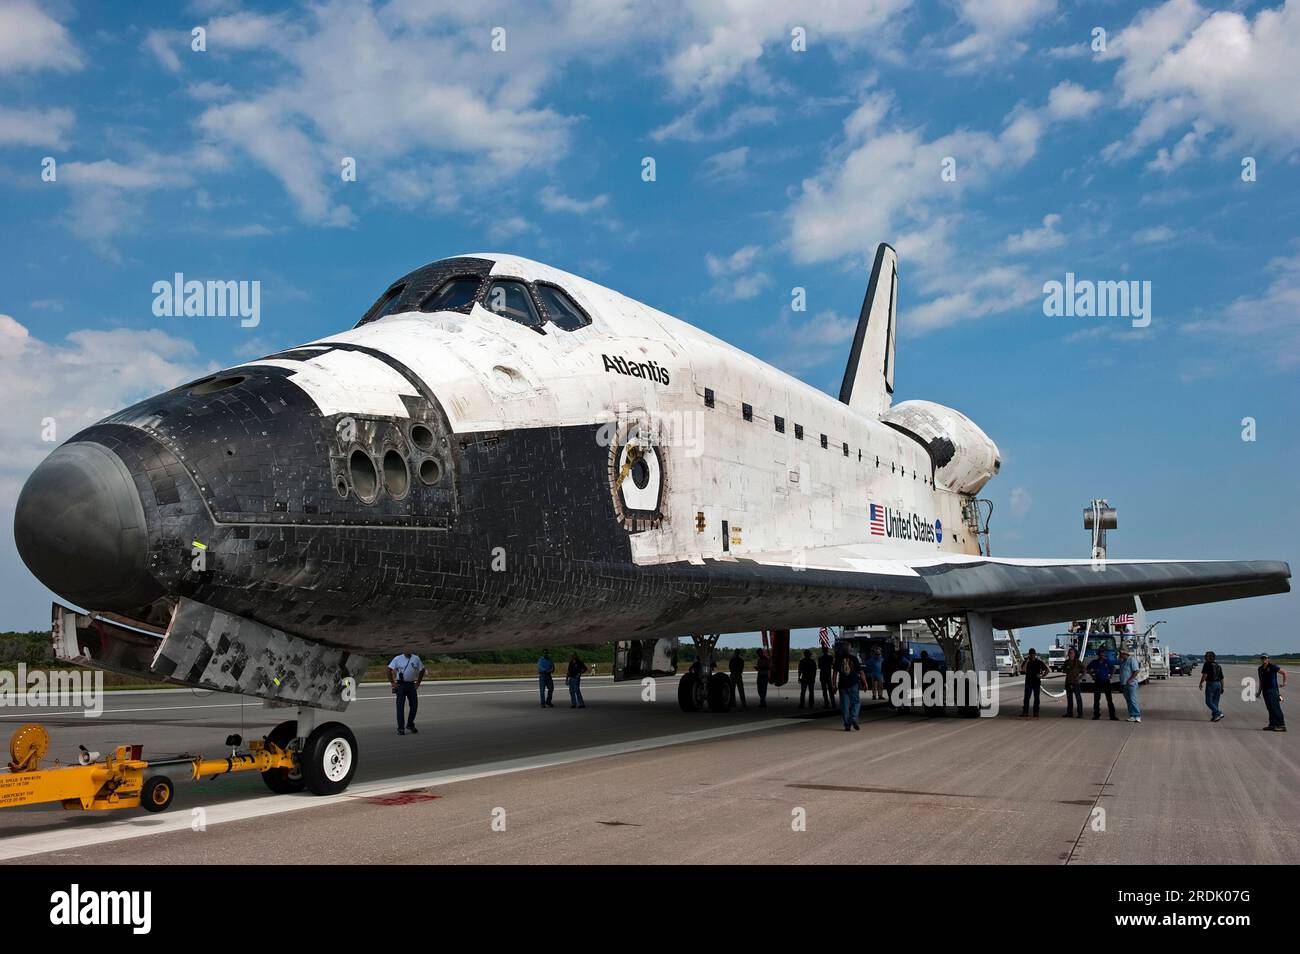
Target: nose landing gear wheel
[(284, 781), (329, 759)]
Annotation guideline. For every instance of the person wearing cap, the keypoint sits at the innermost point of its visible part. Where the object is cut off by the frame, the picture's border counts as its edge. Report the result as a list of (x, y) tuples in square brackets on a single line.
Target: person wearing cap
[(405, 673), (1128, 674), (1271, 690), (1100, 669), (546, 678), (1212, 683), (1033, 668)]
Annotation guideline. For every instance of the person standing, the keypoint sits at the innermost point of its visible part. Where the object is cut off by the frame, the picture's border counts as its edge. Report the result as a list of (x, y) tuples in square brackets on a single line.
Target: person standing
[(1073, 678), (1100, 669), (737, 667), (808, 679), (1128, 674), (875, 673), (849, 672), (546, 679), (826, 673), (573, 679), (1033, 668), (405, 673), (762, 669), (1212, 683), (1272, 692)]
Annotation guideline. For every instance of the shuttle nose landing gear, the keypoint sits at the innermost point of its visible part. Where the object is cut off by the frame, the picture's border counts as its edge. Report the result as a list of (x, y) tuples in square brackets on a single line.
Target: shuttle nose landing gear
[(325, 756), (703, 685)]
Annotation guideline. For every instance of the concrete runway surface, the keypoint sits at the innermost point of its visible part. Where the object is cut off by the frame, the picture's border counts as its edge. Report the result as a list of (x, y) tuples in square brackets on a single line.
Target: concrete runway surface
[(627, 781)]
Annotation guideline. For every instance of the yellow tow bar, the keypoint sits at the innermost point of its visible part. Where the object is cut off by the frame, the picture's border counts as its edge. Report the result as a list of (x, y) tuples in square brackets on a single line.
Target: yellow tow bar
[(118, 780)]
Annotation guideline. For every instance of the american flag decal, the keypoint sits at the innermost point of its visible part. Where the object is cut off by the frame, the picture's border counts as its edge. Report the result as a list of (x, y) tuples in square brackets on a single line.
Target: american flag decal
[(877, 520)]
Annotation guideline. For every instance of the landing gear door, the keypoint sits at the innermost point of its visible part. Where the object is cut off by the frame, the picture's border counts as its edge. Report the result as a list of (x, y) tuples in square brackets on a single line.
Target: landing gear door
[(638, 658)]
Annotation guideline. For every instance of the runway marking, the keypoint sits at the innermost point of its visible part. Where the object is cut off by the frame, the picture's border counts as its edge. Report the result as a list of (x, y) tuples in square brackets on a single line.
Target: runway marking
[(24, 846), (258, 704)]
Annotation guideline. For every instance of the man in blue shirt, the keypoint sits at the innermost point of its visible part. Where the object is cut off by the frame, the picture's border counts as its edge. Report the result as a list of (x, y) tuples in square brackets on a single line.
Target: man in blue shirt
[(1100, 669), (405, 673), (1128, 681), (1272, 693), (545, 678)]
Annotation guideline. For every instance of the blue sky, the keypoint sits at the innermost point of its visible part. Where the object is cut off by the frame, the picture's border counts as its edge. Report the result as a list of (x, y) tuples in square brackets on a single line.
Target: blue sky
[(775, 168)]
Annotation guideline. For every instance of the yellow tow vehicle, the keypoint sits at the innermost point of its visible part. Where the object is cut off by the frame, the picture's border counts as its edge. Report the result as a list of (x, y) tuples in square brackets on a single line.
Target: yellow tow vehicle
[(125, 780)]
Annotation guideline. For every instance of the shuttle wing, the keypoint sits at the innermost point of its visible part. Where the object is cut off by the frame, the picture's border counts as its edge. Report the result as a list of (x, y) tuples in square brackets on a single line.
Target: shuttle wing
[(1028, 592)]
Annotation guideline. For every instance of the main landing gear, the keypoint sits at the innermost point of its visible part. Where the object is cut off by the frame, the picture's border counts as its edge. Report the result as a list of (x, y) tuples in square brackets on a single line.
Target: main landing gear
[(703, 685), (325, 756)]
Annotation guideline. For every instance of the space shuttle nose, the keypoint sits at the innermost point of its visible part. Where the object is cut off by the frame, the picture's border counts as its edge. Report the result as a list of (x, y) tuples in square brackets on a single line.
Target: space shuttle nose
[(80, 528)]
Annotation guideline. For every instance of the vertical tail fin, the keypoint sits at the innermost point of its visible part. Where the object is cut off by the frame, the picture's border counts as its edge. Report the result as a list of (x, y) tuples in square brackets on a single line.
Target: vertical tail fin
[(869, 378)]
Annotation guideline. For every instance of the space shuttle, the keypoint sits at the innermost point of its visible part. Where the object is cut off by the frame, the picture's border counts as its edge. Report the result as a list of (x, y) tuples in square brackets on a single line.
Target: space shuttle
[(503, 454)]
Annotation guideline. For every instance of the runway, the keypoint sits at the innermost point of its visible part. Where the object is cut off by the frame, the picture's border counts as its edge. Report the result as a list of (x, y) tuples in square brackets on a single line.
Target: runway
[(494, 778)]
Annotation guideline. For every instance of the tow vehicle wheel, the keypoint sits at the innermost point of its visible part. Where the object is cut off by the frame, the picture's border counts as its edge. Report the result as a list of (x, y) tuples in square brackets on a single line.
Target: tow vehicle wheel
[(329, 759), (284, 781), (719, 692), (690, 693), (156, 793)]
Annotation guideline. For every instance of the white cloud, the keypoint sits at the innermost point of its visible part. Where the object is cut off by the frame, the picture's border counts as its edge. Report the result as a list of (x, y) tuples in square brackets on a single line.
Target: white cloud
[(738, 261), (1167, 160), (736, 279), (35, 127), (554, 201), (726, 166), (1021, 502), (1268, 323), (163, 44), (996, 26), (112, 368), (1037, 240), (1182, 65), (384, 86), (811, 343), (686, 127), (1071, 101), (732, 35), (32, 40), (1153, 235), (884, 183)]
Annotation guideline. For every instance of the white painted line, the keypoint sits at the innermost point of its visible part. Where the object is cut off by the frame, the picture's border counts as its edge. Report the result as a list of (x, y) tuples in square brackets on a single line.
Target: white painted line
[(254, 703), (24, 846)]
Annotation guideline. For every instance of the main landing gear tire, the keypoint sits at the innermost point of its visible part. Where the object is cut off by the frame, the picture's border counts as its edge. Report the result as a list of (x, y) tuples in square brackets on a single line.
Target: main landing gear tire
[(719, 692), (284, 781), (690, 693), (329, 759), (156, 793)]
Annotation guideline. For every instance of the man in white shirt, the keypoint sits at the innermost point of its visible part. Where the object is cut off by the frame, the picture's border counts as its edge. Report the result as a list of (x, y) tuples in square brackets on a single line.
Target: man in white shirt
[(405, 673)]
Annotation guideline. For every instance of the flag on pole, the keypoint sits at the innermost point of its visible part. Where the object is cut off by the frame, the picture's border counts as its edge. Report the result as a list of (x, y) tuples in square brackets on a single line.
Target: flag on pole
[(1124, 619), (825, 637)]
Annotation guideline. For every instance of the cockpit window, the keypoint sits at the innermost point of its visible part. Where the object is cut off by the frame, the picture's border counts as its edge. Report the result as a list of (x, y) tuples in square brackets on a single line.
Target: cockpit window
[(384, 306), (511, 300), (563, 312), (456, 294)]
